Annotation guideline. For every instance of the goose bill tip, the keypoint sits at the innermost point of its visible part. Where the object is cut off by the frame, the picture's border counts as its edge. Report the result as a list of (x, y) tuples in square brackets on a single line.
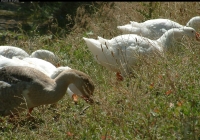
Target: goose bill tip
[(75, 98), (197, 36)]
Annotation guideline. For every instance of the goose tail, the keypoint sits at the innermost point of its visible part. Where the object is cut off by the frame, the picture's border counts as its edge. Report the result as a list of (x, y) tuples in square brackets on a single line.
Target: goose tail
[(92, 42)]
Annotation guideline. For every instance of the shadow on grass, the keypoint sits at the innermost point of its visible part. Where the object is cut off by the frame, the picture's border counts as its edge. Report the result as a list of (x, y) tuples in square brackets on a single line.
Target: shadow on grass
[(31, 122)]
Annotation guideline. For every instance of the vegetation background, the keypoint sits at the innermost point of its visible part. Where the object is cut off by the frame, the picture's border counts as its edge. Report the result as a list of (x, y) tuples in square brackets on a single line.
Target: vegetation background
[(161, 103)]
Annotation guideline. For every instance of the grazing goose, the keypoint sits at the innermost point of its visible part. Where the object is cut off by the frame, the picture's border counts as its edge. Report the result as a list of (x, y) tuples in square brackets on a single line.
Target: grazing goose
[(24, 88), (120, 53), (43, 66), (155, 28), (11, 51), (51, 71)]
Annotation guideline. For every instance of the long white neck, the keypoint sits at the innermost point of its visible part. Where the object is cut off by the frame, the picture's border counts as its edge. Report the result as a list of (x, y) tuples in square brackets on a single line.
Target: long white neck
[(169, 37)]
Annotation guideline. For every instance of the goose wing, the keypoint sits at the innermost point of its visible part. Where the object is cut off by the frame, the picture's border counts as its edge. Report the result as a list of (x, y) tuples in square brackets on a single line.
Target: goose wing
[(18, 86)]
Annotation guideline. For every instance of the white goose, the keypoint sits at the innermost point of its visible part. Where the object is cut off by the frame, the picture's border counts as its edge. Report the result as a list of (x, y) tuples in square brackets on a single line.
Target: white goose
[(11, 51), (46, 55), (155, 28), (24, 88), (46, 67), (120, 53)]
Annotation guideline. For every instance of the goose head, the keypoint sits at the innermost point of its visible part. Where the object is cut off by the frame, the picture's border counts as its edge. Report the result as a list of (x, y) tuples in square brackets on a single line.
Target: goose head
[(46, 55), (85, 85), (194, 23), (180, 32), (190, 32), (173, 34)]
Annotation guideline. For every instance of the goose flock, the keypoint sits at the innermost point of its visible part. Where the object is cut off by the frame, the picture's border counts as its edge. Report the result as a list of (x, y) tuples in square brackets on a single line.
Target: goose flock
[(28, 81), (155, 28), (120, 53)]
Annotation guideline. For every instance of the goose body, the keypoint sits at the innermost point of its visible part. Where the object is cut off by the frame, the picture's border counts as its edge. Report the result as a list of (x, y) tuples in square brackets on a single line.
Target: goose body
[(24, 88), (12, 51), (46, 67), (155, 28), (4, 62), (120, 53)]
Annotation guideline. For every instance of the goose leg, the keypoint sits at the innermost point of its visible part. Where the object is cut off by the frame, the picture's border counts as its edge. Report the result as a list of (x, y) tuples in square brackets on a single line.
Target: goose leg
[(29, 112), (119, 76)]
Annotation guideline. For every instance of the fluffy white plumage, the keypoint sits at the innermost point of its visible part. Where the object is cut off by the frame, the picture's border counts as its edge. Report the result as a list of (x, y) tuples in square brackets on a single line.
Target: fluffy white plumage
[(12, 51), (120, 53), (155, 28)]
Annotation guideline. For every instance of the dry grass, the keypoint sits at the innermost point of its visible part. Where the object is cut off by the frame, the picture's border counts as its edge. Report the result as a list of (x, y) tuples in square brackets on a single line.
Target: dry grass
[(162, 102)]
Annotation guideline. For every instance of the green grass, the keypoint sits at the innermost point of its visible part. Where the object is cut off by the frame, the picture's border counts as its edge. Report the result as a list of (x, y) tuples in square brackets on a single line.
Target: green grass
[(160, 103)]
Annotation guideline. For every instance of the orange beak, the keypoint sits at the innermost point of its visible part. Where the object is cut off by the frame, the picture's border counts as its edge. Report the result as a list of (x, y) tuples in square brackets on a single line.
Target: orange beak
[(75, 98), (197, 36)]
